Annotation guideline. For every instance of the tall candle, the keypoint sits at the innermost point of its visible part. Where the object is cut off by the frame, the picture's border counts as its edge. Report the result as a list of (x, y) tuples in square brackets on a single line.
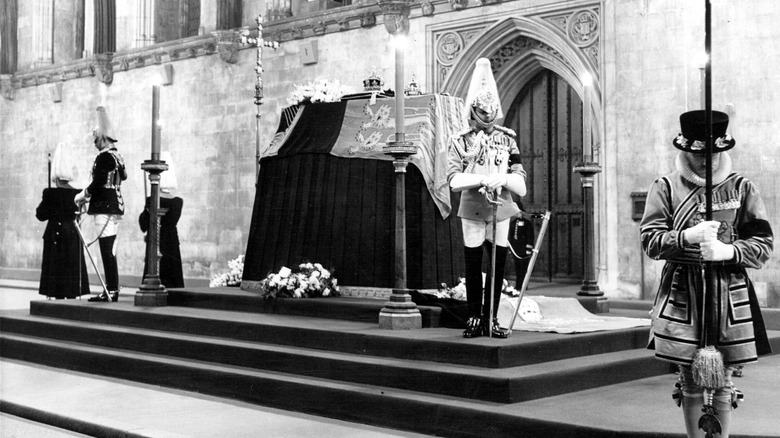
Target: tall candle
[(155, 122), (587, 116), (400, 128)]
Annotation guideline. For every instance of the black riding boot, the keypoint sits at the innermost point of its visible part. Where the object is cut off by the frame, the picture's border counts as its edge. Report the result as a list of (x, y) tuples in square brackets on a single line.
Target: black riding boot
[(473, 259), (499, 285), (110, 267)]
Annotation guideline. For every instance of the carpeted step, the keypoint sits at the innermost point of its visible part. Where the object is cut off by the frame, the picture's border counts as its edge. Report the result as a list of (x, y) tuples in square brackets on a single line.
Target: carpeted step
[(364, 403), (507, 385), (341, 308), (436, 344)]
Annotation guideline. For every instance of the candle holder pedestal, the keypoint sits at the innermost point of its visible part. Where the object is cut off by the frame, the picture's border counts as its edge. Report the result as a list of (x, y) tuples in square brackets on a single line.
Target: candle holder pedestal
[(400, 312), (587, 171), (152, 292)]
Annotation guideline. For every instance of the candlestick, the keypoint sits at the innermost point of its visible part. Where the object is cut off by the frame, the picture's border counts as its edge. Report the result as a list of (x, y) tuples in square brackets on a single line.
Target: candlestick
[(155, 123), (587, 148)]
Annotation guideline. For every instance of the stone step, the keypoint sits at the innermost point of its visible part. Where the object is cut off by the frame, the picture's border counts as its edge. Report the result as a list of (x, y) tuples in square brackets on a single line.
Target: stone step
[(500, 385), (438, 415), (435, 344)]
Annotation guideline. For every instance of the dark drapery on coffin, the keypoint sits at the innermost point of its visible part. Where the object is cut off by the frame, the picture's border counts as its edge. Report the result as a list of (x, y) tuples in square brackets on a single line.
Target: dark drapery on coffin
[(314, 206)]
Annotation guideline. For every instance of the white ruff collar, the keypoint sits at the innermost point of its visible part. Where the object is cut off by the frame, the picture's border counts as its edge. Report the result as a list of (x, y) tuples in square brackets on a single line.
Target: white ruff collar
[(718, 176)]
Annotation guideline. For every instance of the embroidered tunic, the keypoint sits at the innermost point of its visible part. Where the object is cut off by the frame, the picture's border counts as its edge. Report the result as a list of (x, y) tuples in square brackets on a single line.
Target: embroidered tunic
[(483, 154), (674, 204)]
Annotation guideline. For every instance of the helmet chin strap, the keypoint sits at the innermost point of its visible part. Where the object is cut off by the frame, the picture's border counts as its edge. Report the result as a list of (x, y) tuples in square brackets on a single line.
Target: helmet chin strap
[(480, 122)]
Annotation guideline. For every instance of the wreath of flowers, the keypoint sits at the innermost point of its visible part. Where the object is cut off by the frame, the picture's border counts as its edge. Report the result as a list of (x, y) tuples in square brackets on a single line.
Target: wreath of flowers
[(319, 90), (232, 278), (310, 281)]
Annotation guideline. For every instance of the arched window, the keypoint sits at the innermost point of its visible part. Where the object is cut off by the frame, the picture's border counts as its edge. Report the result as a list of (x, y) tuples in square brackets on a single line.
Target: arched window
[(176, 19), (105, 26), (229, 14)]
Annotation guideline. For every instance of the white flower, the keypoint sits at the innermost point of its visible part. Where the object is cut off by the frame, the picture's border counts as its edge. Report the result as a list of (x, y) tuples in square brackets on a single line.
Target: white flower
[(325, 273), (298, 293), (315, 274), (318, 266), (326, 292)]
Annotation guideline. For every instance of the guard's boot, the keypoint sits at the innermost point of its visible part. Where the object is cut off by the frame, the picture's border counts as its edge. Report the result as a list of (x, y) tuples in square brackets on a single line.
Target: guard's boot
[(474, 328), (103, 297), (108, 254), (497, 331), (473, 260)]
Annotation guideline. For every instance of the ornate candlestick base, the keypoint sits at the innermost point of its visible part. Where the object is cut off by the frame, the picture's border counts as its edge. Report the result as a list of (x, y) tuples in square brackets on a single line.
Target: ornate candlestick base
[(587, 171), (400, 312), (152, 292)]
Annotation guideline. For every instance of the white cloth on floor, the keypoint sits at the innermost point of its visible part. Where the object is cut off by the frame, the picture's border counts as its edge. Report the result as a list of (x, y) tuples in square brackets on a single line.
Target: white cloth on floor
[(559, 315)]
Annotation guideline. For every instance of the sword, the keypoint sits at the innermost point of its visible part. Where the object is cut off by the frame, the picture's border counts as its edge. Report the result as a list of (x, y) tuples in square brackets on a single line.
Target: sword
[(491, 196), (86, 247), (527, 278)]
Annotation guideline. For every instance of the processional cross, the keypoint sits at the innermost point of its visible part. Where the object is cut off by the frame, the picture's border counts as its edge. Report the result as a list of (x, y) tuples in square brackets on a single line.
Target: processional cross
[(258, 42)]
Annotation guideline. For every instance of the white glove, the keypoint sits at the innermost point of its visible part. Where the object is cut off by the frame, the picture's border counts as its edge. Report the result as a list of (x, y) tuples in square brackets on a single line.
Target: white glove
[(715, 251), (702, 232), (81, 198), (494, 181)]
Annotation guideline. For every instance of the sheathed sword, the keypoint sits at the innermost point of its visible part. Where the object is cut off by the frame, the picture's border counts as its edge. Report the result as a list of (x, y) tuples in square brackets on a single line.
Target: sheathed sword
[(527, 278)]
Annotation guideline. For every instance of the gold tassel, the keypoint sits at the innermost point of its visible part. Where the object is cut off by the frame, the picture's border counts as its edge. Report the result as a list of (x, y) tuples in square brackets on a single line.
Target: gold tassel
[(708, 369)]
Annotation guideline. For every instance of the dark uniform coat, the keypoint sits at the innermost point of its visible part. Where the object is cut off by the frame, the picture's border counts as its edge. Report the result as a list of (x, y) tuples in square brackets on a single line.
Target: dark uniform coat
[(108, 172), (63, 270), (170, 264)]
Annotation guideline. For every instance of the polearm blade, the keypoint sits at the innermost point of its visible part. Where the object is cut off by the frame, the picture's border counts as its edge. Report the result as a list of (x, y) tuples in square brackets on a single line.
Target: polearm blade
[(530, 268), (709, 335)]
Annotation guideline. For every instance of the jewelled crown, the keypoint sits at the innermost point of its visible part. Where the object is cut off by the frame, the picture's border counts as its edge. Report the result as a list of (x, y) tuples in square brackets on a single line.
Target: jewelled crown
[(413, 89), (373, 82)]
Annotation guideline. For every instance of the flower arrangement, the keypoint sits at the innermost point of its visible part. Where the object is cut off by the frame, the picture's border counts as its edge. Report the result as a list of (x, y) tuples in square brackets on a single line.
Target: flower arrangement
[(232, 278), (319, 90), (310, 281), (459, 292)]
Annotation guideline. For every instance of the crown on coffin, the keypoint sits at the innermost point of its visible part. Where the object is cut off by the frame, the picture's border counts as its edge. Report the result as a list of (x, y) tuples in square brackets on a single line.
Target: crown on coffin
[(373, 82), (413, 89)]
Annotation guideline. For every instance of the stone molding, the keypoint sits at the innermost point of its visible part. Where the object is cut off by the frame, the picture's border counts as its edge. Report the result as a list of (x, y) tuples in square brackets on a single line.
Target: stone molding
[(299, 27), (577, 25), (104, 66)]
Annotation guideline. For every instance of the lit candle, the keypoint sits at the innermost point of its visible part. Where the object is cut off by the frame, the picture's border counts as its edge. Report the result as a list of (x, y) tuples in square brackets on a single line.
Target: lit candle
[(155, 122), (587, 116), (400, 129)]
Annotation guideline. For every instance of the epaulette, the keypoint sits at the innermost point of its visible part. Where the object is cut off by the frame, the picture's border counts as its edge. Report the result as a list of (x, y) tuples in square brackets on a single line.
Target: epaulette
[(505, 130)]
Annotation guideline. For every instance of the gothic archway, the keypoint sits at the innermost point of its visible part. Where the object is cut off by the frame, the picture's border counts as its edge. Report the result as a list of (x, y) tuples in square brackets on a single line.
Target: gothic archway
[(525, 51)]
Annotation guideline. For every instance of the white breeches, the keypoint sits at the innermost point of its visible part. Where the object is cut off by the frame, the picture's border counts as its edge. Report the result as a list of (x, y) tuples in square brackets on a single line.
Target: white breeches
[(476, 232), (107, 224)]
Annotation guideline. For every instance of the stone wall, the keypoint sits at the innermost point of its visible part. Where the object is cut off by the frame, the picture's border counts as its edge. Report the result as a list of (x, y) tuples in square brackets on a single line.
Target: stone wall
[(652, 75)]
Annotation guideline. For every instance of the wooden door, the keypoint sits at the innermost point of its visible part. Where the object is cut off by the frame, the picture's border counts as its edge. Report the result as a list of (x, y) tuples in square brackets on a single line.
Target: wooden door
[(547, 116)]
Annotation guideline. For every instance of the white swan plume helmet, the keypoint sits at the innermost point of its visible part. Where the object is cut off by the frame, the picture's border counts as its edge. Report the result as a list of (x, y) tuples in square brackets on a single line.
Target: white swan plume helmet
[(483, 93)]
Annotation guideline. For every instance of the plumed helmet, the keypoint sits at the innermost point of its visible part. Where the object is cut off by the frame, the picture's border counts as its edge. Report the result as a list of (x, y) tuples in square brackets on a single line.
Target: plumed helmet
[(104, 127), (483, 93), (168, 178), (62, 164)]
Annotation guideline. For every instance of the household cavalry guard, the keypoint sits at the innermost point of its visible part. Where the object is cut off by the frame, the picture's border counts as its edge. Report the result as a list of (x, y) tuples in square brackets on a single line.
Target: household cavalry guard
[(106, 204), (483, 162)]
